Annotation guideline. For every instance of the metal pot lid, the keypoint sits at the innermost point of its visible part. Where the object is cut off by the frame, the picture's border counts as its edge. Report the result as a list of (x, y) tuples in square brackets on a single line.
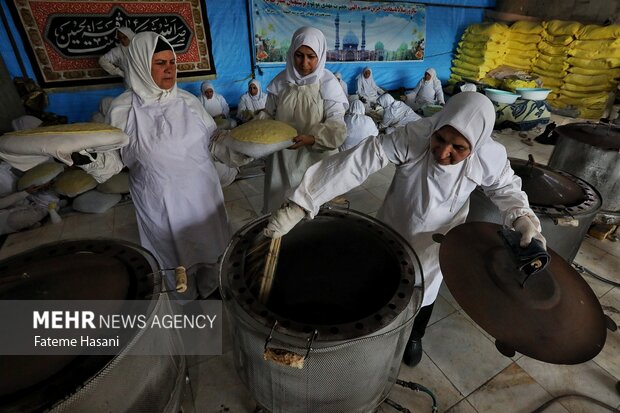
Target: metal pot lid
[(545, 187), (601, 135), (555, 317)]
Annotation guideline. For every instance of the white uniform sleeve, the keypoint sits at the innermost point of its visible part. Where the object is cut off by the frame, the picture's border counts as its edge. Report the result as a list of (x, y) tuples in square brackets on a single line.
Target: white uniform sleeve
[(271, 105), (439, 98), (12, 199), (332, 132), (339, 174), (507, 195), (110, 62), (225, 108)]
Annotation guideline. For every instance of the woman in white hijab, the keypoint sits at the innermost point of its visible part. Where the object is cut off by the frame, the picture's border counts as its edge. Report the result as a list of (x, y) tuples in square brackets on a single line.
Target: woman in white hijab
[(252, 102), (395, 113), (428, 91), (115, 61), (308, 97), (173, 182), (367, 89), (439, 161), (359, 126), (216, 106)]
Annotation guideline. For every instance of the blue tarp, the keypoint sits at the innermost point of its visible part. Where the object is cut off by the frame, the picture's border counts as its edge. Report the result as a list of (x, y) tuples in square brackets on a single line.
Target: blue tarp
[(446, 21)]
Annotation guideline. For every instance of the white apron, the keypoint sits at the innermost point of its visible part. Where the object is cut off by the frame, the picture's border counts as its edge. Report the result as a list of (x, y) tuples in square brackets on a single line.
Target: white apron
[(174, 185)]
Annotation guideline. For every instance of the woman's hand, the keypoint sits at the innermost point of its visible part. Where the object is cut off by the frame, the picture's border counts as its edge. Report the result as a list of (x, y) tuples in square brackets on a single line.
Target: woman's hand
[(302, 140)]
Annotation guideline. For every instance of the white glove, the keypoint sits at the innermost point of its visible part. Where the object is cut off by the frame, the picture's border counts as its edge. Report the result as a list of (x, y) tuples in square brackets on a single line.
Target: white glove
[(528, 231), (283, 220)]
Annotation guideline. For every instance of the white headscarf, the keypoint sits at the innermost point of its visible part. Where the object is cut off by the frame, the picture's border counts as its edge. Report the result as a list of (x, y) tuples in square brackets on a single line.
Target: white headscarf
[(366, 86), (359, 126), (257, 101), (217, 105), (141, 51), (329, 86), (127, 32), (473, 115)]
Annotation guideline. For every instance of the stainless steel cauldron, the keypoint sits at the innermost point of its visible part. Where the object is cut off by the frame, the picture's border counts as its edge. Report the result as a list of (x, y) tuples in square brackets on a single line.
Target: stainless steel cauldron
[(564, 204), (91, 270), (591, 151), (344, 295)]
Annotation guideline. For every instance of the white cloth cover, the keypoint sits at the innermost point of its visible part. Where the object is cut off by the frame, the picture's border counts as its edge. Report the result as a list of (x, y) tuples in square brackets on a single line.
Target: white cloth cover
[(95, 202), (359, 126), (367, 88), (314, 105), (425, 198), (26, 122), (395, 113), (251, 104), (40, 174), (28, 148), (173, 182), (426, 92)]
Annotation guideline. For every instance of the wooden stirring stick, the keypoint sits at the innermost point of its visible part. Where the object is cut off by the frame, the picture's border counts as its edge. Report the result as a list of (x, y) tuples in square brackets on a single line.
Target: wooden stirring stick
[(271, 261)]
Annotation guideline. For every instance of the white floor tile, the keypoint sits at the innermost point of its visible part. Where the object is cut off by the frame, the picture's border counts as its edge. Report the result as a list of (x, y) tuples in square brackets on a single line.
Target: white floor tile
[(463, 353), (609, 358), (441, 310), (462, 407), (252, 186), (512, 390), (364, 201), (612, 247), (233, 192)]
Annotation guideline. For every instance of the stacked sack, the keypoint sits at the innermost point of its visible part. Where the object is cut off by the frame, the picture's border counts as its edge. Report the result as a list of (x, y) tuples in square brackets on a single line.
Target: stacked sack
[(481, 49), (593, 70), (550, 65), (522, 45)]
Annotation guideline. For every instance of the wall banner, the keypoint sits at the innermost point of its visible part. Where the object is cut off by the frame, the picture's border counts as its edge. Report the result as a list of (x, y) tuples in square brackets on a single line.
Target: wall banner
[(355, 30), (64, 39)]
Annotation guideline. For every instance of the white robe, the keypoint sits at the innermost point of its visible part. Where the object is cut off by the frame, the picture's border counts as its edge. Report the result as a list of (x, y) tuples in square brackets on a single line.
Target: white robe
[(250, 105), (367, 88), (424, 198), (395, 113), (426, 92)]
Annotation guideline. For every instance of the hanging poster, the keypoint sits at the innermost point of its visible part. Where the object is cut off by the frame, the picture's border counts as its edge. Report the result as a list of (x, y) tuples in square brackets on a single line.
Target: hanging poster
[(355, 30), (64, 39)]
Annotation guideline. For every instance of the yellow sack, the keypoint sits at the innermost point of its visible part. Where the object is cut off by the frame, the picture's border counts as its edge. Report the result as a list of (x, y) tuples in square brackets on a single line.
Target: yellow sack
[(527, 27), (526, 47), (470, 74), (480, 61), (591, 113), (604, 63), (587, 80), (40, 174), (524, 38), (587, 98), (595, 53), (470, 67), (561, 67), (518, 62), (486, 46), (561, 27), (550, 82), (74, 182), (522, 54), (552, 60), (547, 73), (596, 44), (487, 28), (552, 50), (562, 40), (612, 74), (587, 89), (472, 52), (482, 38), (596, 32)]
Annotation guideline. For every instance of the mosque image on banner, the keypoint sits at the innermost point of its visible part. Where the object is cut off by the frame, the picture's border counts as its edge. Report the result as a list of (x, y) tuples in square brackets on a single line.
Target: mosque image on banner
[(355, 30)]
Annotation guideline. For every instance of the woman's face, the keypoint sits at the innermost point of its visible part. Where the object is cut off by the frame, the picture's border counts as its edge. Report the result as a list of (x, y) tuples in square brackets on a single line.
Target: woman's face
[(427, 76), (122, 39), (366, 74), (449, 146), (209, 93), (164, 69), (306, 60), (252, 89)]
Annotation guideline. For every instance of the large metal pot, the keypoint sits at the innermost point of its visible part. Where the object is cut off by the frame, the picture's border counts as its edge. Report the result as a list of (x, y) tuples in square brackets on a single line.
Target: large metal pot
[(591, 151), (564, 204), (344, 296), (111, 271)]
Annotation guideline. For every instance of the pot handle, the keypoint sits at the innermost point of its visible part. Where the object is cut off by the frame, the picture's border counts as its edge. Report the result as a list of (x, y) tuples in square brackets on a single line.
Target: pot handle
[(286, 357)]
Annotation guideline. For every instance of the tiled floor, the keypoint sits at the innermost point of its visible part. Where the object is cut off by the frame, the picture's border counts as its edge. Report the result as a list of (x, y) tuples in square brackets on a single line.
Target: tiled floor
[(460, 364)]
